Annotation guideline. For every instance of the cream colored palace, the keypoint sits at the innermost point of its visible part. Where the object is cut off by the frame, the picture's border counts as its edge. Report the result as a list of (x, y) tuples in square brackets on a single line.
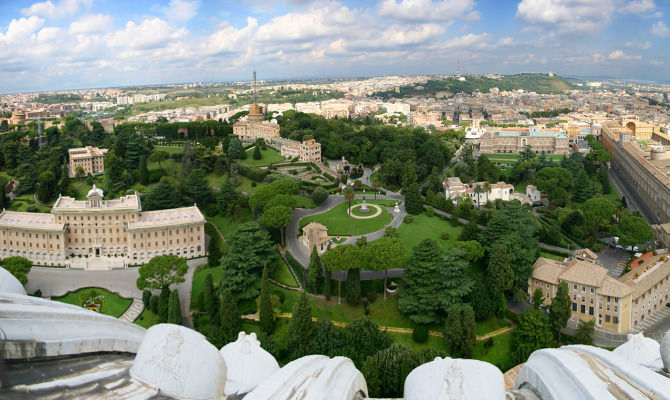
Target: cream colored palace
[(102, 230)]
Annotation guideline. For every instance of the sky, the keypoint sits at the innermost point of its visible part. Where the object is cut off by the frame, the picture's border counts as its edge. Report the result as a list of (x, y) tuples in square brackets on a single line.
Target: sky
[(71, 44)]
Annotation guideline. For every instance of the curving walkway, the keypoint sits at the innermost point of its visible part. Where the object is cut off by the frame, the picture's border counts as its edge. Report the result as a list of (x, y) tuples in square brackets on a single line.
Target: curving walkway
[(378, 210), (133, 311)]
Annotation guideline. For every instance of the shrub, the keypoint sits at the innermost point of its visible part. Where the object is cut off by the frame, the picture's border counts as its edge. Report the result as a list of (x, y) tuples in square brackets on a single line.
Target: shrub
[(420, 334), (430, 212), (444, 235), (32, 208), (597, 247), (319, 195), (253, 184), (211, 210), (408, 219)]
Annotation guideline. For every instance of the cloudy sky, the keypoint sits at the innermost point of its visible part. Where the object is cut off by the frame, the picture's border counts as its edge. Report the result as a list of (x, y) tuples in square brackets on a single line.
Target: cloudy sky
[(60, 44)]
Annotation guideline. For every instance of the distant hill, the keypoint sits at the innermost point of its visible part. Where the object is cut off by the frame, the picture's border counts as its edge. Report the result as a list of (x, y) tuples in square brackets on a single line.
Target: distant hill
[(540, 83)]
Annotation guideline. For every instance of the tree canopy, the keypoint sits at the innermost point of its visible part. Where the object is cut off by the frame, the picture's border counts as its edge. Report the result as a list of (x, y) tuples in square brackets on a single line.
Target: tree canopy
[(161, 272)]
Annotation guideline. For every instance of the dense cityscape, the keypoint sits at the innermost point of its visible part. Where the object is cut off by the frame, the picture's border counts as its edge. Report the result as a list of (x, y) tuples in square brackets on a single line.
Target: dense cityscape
[(451, 235)]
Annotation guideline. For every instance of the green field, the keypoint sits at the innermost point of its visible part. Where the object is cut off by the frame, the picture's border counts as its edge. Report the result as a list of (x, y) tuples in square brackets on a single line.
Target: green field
[(340, 224), (113, 304), (226, 224), (169, 149), (21, 203), (268, 156), (199, 281), (425, 227), (490, 325), (282, 274), (499, 355), (147, 319)]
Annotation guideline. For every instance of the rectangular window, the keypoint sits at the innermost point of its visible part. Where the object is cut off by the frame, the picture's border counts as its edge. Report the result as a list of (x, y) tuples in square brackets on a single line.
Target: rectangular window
[(616, 320), (582, 309), (607, 318), (590, 310)]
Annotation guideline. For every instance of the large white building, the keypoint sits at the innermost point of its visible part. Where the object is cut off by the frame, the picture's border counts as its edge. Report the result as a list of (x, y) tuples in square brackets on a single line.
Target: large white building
[(455, 189)]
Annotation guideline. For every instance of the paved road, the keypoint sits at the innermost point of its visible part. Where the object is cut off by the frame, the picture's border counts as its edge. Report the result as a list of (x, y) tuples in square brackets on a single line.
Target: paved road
[(54, 282)]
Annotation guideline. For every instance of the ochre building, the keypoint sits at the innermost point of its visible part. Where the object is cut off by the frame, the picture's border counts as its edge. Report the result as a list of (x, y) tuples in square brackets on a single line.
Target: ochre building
[(102, 228), (617, 305), (514, 141), (90, 159)]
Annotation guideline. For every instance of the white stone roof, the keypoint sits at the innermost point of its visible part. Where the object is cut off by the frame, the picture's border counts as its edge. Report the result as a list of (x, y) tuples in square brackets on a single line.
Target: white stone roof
[(86, 152), (587, 372), (66, 204), (180, 362), (29, 220), (173, 216), (641, 350), (447, 379), (313, 378), (250, 365), (95, 190), (9, 283), (36, 327)]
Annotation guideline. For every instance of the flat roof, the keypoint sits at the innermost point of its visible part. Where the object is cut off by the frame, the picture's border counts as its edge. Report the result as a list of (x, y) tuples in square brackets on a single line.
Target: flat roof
[(29, 220), (174, 216), (66, 204)]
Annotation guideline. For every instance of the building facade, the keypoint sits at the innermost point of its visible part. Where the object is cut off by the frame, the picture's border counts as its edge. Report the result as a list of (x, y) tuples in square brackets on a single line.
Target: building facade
[(454, 189), (306, 151), (90, 159), (645, 167), (102, 228), (315, 235), (249, 131), (515, 141), (617, 305)]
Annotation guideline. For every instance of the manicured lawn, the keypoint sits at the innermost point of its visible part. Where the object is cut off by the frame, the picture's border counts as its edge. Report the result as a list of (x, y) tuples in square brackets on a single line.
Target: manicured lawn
[(268, 156), (147, 319), (282, 274), (112, 303), (425, 227), (490, 325), (304, 201), (499, 355), (433, 342), (199, 281), (21, 203), (170, 149), (227, 225), (339, 223)]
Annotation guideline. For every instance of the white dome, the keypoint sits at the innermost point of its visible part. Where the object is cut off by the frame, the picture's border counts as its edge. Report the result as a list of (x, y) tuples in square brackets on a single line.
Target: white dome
[(180, 363), (95, 190), (641, 350), (250, 365), (313, 378), (445, 379), (9, 283)]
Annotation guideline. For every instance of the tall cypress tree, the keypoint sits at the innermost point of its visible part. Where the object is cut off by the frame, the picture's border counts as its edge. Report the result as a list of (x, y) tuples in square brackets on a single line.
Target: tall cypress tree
[(453, 331), (468, 326), (353, 295), (314, 271), (559, 311), (174, 308), (214, 256), (230, 320), (328, 283), (143, 173), (163, 304), (265, 312), (210, 298), (301, 326), (420, 283)]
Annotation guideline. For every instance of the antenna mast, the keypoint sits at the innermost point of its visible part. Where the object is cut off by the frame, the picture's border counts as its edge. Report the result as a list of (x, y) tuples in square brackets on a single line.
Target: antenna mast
[(254, 87)]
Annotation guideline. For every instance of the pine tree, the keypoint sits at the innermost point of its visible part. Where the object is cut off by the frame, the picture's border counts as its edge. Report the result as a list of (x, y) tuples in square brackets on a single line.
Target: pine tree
[(146, 297), (452, 268), (301, 326), (230, 320), (210, 298), (420, 283), (470, 231), (265, 312), (583, 187), (214, 256), (314, 271), (226, 197), (353, 286), (453, 330), (257, 153), (196, 188), (468, 327), (143, 173), (499, 272), (174, 308), (560, 308), (538, 298), (533, 332), (163, 304), (134, 150), (413, 202), (162, 196)]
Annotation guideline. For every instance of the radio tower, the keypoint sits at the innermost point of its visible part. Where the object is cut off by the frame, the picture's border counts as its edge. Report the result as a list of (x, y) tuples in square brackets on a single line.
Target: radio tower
[(254, 87)]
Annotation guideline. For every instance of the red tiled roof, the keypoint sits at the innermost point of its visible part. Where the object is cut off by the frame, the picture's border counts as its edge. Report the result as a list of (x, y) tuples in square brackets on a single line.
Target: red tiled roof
[(638, 261)]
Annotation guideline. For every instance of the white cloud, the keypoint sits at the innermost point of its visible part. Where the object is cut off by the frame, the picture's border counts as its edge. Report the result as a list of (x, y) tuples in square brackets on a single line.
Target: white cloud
[(639, 7), (20, 29), (574, 16), (181, 10), (621, 56), (470, 40), (656, 62), (91, 24), (506, 41), (149, 34), (427, 10), (638, 45), (660, 29), (64, 8)]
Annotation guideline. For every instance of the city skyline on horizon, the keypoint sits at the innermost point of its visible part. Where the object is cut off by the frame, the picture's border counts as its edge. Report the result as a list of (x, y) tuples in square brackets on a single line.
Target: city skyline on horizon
[(76, 44)]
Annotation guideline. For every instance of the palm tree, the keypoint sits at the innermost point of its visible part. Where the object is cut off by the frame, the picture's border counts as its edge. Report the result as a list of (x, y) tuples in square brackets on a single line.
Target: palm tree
[(349, 195), (478, 191), (487, 189)]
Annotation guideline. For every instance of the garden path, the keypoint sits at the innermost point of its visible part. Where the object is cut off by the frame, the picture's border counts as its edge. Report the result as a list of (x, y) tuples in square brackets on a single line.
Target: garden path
[(133, 311)]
